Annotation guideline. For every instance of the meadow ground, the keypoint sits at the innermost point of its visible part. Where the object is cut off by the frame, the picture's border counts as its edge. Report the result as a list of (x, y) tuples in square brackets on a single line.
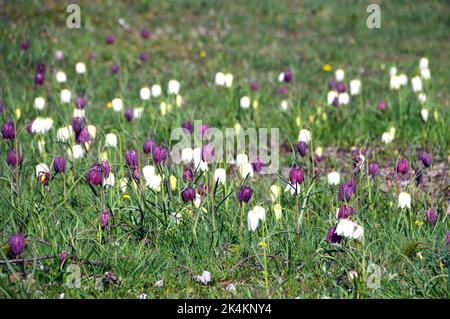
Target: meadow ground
[(155, 239)]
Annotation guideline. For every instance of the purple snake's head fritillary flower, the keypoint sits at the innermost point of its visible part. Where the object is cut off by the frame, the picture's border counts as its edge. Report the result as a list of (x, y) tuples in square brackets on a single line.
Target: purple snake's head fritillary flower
[(106, 169), (115, 68), (9, 130), (332, 85), (431, 216), (332, 237), (288, 75), (202, 190), (135, 175), (346, 191), (283, 91), (258, 165), (296, 176), (83, 136), (188, 194), (341, 87), (373, 169), (335, 102), (63, 257), (245, 193), (129, 114), (344, 211), (104, 219), (39, 79), (188, 174), (425, 159), (254, 86), (41, 68), (382, 106), (13, 158), (159, 155), (24, 45), (207, 152), (95, 175), (204, 129), (143, 56), (131, 159), (77, 125), (187, 126), (145, 34), (59, 164), (91, 56), (302, 147), (403, 166), (17, 244), (110, 39), (43, 174), (149, 146), (80, 102)]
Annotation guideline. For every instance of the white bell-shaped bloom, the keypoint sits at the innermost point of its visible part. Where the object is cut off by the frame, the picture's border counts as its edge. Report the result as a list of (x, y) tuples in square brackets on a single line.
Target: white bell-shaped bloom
[(274, 192), (156, 90), (424, 114), (187, 155), (39, 103), (111, 140), (392, 71), (331, 96), (220, 79), (228, 80), (241, 159), (245, 102), (334, 178), (65, 96), (117, 104), (80, 68), (63, 134), (173, 87), (61, 77), (152, 180), (284, 105), (425, 74), (110, 180), (423, 63), (76, 152), (220, 176), (355, 87), (278, 210), (144, 93), (254, 216), (304, 136), (246, 170), (339, 75), (416, 83), (78, 113), (404, 200), (344, 98)]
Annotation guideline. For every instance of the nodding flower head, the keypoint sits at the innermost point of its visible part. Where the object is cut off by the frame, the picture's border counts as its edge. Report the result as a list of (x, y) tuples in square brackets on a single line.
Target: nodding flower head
[(129, 114), (340, 87), (63, 257), (149, 146), (332, 237), (59, 164), (105, 168), (208, 152), (425, 159), (283, 91), (403, 166), (41, 68), (187, 126), (373, 169), (131, 159), (77, 125), (104, 219), (332, 85), (302, 147), (43, 174), (9, 130), (288, 75), (80, 102), (204, 129), (39, 79), (115, 68), (95, 175), (431, 216), (110, 39), (344, 211), (245, 193), (145, 34), (202, 190), (346, 191), (13, 158), (17, 244), (296, 176), (83, 136), (159, 155), (382, 106), (188, 194), (188, 174), (254, 86), (24, 45), (258, 165)]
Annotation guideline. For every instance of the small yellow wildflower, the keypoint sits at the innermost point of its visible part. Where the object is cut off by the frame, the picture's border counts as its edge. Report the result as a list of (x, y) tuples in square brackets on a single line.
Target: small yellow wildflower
[(203, 54), (18, 113), (262, 244), (126, 196), (173, 182), (255, 104), (418, 222), (327, 68), (109, 105)]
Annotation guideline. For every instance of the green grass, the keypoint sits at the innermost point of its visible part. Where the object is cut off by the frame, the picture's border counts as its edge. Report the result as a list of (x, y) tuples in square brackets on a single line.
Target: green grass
[(253, 40)]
